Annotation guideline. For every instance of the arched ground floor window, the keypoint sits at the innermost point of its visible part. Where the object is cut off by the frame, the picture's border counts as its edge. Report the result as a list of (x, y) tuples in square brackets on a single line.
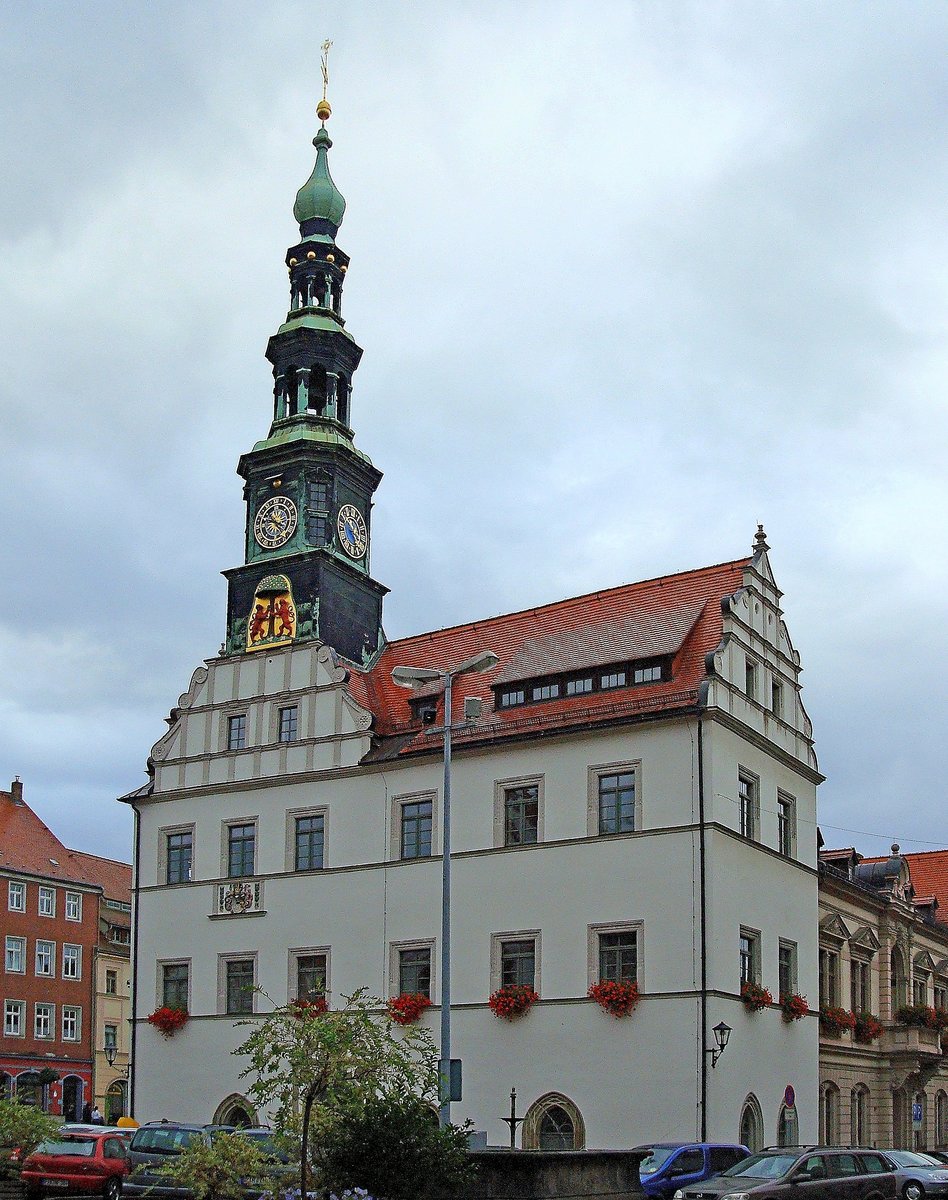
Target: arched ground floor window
[(829, 1114), (859, 1116), (115, 1101), (941, 1118), (787, 1126), (553, 1123), (235, 1110), (751, 1132)]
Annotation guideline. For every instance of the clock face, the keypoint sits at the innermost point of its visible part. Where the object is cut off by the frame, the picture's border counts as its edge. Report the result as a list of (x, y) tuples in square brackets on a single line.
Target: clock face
[(275, 522), (353, 535)]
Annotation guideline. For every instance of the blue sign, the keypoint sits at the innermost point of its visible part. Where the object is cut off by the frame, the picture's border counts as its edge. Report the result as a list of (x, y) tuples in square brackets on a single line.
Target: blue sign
[(917, 1116)]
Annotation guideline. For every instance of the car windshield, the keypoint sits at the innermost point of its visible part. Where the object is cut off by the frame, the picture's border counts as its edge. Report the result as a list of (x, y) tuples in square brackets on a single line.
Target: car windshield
[(164, 1139), (71, 1148), (763, 1166), (657, 1157), (909, 1158)]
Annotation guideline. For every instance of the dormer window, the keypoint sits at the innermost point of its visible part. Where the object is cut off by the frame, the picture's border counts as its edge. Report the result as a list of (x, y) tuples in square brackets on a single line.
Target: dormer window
[(511, 696), (545, 691), (584, 683), (579, 687), (613, 679)]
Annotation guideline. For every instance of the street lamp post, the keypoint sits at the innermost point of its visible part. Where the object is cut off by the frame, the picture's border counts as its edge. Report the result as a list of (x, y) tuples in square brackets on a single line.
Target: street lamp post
[(413, 677)]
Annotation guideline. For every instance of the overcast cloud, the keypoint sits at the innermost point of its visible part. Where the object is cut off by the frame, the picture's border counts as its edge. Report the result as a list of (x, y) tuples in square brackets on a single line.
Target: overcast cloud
[(629, 278)]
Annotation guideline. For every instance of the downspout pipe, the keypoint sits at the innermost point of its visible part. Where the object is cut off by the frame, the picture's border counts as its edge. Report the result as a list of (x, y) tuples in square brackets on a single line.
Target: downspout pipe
[(133, 1032), (702, 887)]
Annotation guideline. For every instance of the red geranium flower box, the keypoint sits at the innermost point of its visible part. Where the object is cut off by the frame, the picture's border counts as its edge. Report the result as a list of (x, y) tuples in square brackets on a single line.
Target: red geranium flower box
[(833, 1021), (309, 1008), (614, 997), (866, 1028), (512, 1000), (408, 1007), (794, 1007), (168, 1020), (755, 996)]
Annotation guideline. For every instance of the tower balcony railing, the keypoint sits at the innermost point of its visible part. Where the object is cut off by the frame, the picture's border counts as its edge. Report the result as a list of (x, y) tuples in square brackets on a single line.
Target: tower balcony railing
[(238, 898)]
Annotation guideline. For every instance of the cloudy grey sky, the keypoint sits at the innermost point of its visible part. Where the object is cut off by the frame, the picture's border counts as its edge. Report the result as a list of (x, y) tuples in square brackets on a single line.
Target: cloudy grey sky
[(629, 277)]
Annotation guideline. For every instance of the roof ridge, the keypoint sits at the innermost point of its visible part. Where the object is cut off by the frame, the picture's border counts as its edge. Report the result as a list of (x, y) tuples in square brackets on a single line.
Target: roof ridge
[(564, 603)]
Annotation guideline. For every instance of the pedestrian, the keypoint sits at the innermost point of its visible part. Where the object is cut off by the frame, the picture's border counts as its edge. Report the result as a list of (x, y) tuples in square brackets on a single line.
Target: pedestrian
[(96, 1118), (86, 1113)]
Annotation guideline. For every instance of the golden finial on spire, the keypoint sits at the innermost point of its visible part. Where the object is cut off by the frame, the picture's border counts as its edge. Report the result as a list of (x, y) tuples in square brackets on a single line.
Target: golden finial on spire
[(323, 110)]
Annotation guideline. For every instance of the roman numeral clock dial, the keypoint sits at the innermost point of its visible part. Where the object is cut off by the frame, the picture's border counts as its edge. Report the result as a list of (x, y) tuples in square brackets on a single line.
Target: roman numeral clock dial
[(275, 522), (353, 535)]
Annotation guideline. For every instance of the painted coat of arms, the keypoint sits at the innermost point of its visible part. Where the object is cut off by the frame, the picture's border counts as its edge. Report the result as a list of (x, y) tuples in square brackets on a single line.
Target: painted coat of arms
[(272, 619)]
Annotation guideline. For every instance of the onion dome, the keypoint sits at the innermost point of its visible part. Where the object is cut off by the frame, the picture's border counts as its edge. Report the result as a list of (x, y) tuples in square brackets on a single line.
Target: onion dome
[(319, 204)]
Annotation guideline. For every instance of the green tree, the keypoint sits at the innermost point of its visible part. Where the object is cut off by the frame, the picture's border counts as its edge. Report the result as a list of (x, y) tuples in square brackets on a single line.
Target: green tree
[(312, 1067), (393, 1147), (22, 1127), (217, 1169)]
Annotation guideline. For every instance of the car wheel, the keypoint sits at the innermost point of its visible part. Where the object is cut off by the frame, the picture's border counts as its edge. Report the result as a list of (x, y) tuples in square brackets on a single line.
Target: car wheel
[(112, 1189), (913, 1190), (33, 1193)]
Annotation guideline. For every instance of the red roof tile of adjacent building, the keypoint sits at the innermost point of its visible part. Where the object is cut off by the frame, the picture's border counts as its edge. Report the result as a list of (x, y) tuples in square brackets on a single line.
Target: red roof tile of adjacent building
[(678, 616), (114, 877), (929, 872)]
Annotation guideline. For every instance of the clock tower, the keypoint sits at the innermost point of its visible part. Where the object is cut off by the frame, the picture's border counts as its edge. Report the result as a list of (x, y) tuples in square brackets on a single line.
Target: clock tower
[(307, 488)]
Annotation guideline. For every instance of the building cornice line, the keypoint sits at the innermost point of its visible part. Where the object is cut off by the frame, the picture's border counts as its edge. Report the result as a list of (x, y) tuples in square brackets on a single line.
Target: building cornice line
[(722, 717)]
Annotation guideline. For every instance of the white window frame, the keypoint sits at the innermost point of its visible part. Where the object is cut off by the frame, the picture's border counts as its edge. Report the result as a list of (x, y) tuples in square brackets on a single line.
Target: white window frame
[(753, 936), (46, 894), (15, 953), (292, 979), (321, 810), (72, 1013), (14, 1018), (226, 716), (46, 1012), (226, 826), (592, 945), (753, 833), (787, 944), (160, 978), (48, 949), (514, 935), (501, 788), (73, 906), (594, 774), (164, 833), (278, 710), (72, 958), (398, 804), (222, 961), (16, 889), (394, 963), (785, 800)]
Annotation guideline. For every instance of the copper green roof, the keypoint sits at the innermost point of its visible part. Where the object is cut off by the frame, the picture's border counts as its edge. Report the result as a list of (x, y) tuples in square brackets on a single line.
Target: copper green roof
[(309, 429), (319, 198)]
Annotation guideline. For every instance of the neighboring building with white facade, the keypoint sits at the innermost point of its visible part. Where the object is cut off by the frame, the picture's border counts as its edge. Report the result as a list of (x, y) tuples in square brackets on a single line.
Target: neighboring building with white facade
[(636, 799)]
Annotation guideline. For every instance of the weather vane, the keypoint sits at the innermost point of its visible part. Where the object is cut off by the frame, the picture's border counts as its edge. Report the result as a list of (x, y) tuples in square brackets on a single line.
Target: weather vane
[(323, 110)]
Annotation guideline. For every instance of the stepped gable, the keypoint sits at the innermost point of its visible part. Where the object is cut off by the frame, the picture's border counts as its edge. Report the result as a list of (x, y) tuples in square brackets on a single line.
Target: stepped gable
[(676, 615)]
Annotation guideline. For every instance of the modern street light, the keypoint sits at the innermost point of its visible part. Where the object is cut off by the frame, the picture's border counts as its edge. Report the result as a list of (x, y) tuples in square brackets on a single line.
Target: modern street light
[(412, 677)]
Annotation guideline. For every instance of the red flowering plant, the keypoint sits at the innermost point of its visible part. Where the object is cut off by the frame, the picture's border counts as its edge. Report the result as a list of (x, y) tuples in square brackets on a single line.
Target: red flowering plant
[(408, 1007), (755, 997), (615, 997), (512, 1000), (917, 1016), (794, 1007), (834, 1021), (866, 1028), (168, 1020), (309, 1008)]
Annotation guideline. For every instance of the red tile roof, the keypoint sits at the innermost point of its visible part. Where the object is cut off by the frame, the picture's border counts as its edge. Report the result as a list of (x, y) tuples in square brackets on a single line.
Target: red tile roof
[(929, 872), (29, 846), (676, 615)]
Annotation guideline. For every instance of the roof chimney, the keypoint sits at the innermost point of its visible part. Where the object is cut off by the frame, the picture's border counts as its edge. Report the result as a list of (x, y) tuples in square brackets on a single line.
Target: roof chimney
[(16, 791)]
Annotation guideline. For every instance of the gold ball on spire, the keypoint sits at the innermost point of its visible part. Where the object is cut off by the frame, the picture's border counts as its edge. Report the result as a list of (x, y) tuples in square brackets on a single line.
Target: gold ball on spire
[(323, 110)]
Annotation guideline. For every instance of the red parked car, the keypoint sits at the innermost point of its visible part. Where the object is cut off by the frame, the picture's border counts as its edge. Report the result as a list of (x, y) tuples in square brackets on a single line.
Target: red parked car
[(91, 1163)]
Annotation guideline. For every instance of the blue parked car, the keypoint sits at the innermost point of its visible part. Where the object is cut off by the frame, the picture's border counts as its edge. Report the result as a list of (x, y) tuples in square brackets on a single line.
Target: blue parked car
[(672, 1165)]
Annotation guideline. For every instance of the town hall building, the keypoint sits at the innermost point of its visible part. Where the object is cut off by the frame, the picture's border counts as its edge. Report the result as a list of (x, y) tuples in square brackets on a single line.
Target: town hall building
[(633, 800)]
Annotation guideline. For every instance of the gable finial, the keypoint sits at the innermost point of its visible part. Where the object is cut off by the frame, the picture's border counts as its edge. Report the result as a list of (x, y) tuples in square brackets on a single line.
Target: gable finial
[(323, 108), (760, 540)]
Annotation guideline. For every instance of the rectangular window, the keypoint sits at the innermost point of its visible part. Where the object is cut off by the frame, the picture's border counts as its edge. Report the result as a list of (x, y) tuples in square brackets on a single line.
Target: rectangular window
[(310, 976), (941, 995), (110, 1037), (16, 896), (416, 829), (613, 679), (786, 824), (414, 971), (579, 687), (14, 1018), (829, 977), (47, 902), (619, 956), (174, 985), (111, 983), (237, 732), (239, 986), (319, 494), (44, 1016), (73, 906), (72, 962), (617, 802), (860, 998), (120, 935), (749, 804), (72, 1023), (750, 956), (787, 968), (179, 848), (750, 679), (310, 842), (651, 674), (521, 815), (518, 962), (45, 958), (241, 846), (510, 697), (920, 990), (776, 696), (16, 955), (545, 691), (289, 720)]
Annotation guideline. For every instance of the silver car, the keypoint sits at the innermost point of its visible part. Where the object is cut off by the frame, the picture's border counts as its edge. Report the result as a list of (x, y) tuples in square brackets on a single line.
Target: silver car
[(918, 1175)]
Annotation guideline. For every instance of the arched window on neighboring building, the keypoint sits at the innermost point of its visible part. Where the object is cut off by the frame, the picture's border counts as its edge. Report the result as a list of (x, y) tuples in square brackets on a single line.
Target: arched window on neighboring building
[(553, 1123), (829, 1114), (941, 1118), (898, 982), (859, 1116), (899, 1119), (787, 1126), (751, 1132), (235, 1110)]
